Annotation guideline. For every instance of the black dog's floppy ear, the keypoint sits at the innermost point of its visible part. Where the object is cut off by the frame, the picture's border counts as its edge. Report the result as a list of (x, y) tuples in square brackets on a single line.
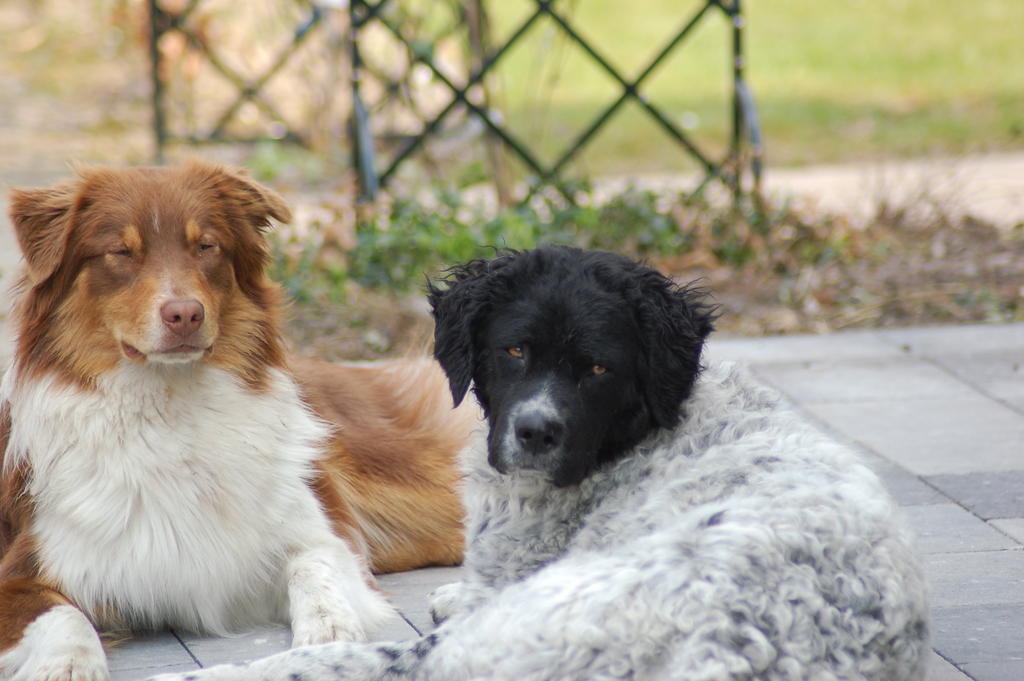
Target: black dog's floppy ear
[(674, 321), (457, 308)]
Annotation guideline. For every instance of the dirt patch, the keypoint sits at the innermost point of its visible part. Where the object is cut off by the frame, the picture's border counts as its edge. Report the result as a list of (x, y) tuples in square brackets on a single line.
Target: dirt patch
[(968, 272)]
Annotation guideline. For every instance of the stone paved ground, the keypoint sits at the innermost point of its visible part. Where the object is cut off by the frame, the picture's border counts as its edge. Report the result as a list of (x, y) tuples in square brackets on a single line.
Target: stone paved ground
[(938, 413)]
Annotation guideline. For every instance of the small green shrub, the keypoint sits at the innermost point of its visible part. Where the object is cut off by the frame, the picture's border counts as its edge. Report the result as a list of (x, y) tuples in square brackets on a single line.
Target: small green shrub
[(398, 246)]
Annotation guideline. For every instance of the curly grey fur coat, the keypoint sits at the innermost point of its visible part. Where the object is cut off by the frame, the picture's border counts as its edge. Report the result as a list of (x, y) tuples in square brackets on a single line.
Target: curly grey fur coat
[(742, 545)]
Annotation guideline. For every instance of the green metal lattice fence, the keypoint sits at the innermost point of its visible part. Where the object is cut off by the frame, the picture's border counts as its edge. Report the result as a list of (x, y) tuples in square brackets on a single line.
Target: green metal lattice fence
[(376, 169)]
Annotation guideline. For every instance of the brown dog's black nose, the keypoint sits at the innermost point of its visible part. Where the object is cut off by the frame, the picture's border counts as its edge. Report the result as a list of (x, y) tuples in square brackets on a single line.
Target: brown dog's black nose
[(183, 316)]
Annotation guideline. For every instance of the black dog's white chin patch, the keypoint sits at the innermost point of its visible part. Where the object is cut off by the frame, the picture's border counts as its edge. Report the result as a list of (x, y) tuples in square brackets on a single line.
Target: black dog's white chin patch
[(551, 470), (558, 467), (534, 433), (505, 462)]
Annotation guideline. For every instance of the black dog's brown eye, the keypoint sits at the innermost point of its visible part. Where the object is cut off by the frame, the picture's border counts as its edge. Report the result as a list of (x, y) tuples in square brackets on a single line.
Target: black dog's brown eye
[(515, 351), (598, 370)]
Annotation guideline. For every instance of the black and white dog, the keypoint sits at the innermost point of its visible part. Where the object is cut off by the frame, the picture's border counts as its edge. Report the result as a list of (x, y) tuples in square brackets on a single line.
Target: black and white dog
[(626, 520), (576, 356)]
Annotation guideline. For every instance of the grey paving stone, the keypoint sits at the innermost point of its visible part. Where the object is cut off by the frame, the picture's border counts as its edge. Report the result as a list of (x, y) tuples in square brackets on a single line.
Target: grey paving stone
[(996, 671), (941, 670), (848, 345), (395, 629), (906, 488), (273, 639), (863, 380), (417, 613), (947, 528), (1013, 527), (140, 674), (210, 650), (409, 591), (932, 437), (986, 578), (1000, 374), (988, 495), (430, 578), (147, 652), (975, 634), (954, 340)]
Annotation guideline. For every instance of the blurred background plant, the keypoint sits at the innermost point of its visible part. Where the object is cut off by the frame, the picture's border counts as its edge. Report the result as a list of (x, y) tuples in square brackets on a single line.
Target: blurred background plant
[(774, 267), (835, 82)]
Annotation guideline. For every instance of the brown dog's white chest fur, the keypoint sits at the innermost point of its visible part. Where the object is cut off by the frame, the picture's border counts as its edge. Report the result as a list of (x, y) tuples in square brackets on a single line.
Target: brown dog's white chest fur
[(170, 496)]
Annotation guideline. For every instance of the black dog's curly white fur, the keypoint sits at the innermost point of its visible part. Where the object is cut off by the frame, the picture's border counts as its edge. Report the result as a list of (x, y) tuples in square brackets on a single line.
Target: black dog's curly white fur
[(627, 520)]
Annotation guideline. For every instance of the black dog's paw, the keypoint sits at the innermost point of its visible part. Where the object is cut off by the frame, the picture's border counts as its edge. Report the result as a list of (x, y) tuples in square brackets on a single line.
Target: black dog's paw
[(445, 601)]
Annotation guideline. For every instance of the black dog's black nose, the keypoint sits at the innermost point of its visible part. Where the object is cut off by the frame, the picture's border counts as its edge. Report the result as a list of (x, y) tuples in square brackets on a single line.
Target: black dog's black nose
[(538, 432)]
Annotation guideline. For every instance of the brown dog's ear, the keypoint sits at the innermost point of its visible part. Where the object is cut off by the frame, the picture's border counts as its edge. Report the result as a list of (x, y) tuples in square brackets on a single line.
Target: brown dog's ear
[(259, 201), (42, 222), (256, 201)]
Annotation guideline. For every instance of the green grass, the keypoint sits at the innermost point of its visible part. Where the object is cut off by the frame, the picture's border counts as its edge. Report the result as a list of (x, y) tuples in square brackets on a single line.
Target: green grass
[(834, 81)]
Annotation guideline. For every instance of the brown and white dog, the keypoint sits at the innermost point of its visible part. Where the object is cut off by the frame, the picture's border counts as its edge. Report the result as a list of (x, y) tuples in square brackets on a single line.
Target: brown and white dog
[(164, 462)]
